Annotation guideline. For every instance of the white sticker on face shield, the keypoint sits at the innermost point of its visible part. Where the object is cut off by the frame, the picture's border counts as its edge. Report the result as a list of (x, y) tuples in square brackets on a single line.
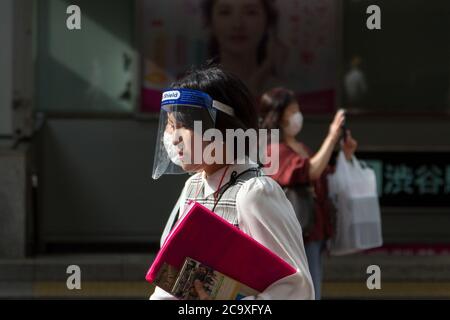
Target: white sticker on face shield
[(171, 95)]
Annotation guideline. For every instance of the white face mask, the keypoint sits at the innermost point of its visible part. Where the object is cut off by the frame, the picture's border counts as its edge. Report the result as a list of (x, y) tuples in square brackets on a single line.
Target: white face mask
[(172, 150), (295, 124)]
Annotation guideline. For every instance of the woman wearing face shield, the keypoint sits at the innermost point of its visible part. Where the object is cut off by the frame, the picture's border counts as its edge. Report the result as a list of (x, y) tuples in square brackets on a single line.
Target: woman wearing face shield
[(239, 193), (300, 166)]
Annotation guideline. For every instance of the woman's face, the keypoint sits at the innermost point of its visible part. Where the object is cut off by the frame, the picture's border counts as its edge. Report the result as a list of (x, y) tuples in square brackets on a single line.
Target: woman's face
[(288, 113), (183, 140), (238, 25)]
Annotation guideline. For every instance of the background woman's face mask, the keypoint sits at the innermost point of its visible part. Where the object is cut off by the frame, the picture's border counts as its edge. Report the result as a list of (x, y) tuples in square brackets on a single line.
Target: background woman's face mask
[(172, 150), (295, 124)]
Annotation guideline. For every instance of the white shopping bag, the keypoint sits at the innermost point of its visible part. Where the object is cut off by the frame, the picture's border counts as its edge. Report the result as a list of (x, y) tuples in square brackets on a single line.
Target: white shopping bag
[(353, 190)]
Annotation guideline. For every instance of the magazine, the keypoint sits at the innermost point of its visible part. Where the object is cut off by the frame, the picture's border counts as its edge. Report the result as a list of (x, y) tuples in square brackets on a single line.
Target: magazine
[(217, 285)]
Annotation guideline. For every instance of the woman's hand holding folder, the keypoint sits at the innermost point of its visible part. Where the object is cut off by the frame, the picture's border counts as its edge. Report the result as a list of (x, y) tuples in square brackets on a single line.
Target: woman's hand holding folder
[(201, 291)]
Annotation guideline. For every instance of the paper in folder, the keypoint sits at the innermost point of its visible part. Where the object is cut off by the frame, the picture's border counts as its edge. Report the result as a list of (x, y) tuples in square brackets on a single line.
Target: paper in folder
[(206, 237)]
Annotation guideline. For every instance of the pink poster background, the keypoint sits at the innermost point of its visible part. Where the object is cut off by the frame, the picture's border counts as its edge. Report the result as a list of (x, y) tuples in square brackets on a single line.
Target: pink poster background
[(174, 38)]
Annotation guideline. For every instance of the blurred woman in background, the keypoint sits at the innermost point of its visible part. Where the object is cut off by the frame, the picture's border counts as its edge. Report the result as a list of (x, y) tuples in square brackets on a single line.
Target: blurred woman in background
[(300, 166)]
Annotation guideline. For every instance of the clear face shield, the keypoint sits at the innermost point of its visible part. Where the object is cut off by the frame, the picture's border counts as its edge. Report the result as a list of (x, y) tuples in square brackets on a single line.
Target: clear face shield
[(185, 115)]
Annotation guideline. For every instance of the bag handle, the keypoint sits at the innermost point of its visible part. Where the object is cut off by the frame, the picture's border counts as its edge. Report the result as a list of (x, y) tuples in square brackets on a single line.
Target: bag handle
[(233, 179), (172, 219)]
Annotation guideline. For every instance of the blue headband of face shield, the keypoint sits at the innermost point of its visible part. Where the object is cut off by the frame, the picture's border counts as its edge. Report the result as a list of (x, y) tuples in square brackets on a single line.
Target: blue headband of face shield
[(192, 98)]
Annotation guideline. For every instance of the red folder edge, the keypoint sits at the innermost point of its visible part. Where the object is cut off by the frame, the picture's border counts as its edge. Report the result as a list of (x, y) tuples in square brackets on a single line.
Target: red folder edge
[(234, 254)]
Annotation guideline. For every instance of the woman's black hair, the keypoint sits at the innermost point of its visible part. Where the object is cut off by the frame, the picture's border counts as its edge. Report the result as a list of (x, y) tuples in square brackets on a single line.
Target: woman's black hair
[(271, 18), (228, 89), (272, 105)]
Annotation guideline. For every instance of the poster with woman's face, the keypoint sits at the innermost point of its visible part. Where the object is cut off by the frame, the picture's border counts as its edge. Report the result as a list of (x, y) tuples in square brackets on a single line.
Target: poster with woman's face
[(266, 43)]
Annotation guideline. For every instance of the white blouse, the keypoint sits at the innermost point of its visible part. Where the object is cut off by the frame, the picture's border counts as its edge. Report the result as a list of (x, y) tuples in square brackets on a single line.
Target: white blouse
[(265, 214)]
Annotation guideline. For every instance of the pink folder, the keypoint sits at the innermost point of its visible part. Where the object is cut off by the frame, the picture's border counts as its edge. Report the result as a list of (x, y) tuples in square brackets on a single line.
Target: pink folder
[(204, 236)]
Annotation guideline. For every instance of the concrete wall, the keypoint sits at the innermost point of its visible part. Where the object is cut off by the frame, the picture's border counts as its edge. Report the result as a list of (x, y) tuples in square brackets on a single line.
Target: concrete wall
[(13, 203), (6, 36)]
